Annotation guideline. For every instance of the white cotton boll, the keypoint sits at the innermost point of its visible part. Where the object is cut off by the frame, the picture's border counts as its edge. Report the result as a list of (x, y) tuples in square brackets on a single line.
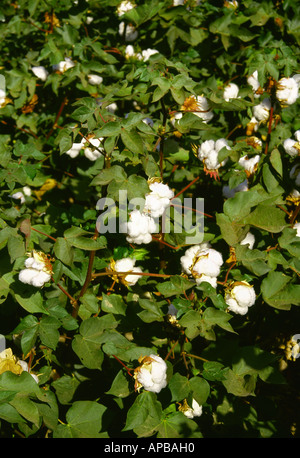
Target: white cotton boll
[(261, 111), (158, 199), (32, 263), (187, 259), (228, 192), (112, 107), (93, 153), (127, 265), (194, 411), (130, 31), (248, 240), (211, 280), (240, 298), (23, 364), (287, 91), (209, 263), (297, 134), (295, 174), (64, 65), (40, 279), (231, 91), (139, 228), (74, 150), (252, 80), (95, 80), (124, 7), (205, 148), (153, 375), (204, 112), (176, 117), (27, 191), (19, 196), (292, 147), (40, 72), (249, 164), (147, 53), (26, 276), (297, 227)]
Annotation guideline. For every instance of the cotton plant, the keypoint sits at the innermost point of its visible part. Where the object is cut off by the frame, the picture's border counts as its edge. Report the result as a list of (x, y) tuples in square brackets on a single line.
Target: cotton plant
[(151, 374), (202, 263), (129, 32), (124, 7), (38, 270), (239, 297)]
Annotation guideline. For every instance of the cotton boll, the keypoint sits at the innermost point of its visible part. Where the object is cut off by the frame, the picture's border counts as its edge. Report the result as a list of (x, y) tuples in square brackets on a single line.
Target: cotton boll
[(152, 374), (26, 276), (248, 240), (19, 196), (130, 31), (297, 227), (124, 7), (292, 147), (287, 91), (249, 164), (40, 72), (147, 53), (261, 111), (252, 80), (191, 412), (95, 80), (240, 297), (64, 65), (40, 279), (158, 199), (205, 112), (139, 228), (231, 91), (74, 150), (128, 265), (93, 153)]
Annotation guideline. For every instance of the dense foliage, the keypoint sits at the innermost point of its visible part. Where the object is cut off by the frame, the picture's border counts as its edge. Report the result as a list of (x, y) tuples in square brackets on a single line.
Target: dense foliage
[(129, 332)]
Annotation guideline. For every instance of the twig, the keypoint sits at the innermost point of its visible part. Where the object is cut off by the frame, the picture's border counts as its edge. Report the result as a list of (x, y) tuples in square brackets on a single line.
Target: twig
[(43, 233)]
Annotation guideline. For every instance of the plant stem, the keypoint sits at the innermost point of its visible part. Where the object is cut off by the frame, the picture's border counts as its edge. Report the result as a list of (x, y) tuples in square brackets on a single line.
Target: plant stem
[(43, 233)]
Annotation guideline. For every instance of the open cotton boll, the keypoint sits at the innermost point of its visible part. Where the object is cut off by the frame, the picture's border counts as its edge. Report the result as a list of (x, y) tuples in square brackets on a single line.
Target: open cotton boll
[(130, 31), (248, 240), (191, 412), (93, 153), (74, 150), (64, 65), (124, 7), (40, 72), (204, 109), (297, 227), (128, 265), (250, 164), (19, 196), (287, 91), (158, 199), (261, 111), (152, 374), (240, 297), (252, 80), (37, 270), (139, 228), (147, 53), (95, 80), (231, 91), (292, 147)]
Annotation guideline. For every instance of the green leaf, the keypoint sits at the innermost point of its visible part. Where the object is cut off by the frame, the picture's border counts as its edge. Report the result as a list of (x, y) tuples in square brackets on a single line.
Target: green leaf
[(133, 141), (63, 251), (174, 287), (279, 291), (144, 406), (84, 420), (113, 303)]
